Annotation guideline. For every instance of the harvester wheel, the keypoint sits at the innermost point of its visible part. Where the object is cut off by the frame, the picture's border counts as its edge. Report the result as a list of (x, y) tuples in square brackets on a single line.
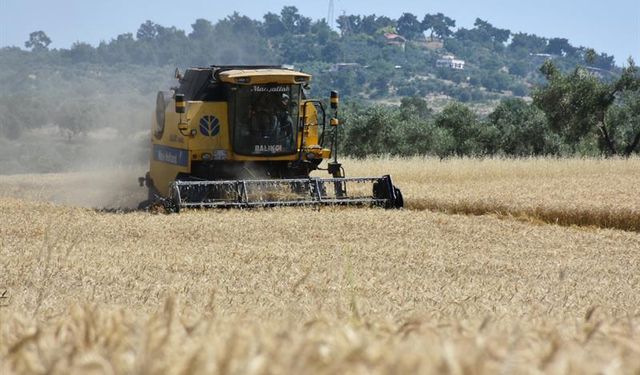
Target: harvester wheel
[(145, 205), (399, 202), (172, 204)]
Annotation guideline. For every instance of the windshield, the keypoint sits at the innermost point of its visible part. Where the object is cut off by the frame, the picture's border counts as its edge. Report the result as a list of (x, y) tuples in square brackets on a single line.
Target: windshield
[(265, 119)]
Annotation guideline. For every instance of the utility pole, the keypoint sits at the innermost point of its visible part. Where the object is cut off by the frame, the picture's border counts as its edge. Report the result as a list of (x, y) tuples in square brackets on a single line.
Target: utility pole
[(331, 14)]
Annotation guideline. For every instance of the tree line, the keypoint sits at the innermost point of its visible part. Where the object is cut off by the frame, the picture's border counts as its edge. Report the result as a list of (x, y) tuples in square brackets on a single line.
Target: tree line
[(572, 114), (497, 60), (554, 98)]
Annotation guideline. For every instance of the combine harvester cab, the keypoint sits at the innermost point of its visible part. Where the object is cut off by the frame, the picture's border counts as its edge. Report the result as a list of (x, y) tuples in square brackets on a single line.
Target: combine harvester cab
[(246, 136)]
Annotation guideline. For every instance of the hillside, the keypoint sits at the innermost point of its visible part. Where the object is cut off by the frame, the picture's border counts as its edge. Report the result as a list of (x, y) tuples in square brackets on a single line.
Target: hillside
[(368, 57), (377, 63)]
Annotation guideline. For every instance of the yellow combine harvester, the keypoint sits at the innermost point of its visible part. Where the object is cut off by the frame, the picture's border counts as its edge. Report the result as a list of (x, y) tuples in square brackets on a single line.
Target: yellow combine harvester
[(246, 136)]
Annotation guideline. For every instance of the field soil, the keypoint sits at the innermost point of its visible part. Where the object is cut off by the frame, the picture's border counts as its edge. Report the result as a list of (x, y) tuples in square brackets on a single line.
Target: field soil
[(475, 276)]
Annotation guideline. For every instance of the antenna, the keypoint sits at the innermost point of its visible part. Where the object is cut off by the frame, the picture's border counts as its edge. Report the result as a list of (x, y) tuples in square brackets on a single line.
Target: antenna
[(331, 14)]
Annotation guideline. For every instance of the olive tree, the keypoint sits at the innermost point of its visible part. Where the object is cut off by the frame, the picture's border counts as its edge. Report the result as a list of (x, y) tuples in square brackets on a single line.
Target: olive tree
[(577, 103)]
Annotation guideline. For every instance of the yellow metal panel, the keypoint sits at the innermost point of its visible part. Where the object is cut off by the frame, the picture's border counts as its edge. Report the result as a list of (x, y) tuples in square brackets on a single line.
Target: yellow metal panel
[(264, 76), (169, 153), (211, 125), (311, 123)]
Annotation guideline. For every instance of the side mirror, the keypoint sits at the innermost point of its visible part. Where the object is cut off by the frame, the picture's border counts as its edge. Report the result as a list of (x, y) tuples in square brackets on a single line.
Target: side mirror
[(180, 105)]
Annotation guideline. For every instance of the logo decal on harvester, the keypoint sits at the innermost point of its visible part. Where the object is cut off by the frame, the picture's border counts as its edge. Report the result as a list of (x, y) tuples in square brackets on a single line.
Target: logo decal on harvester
[(171, 155), (270, 89), (209, 126)]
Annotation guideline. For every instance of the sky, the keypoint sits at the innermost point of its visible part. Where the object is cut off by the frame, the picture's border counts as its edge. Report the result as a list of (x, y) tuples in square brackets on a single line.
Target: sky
[(611, 26)]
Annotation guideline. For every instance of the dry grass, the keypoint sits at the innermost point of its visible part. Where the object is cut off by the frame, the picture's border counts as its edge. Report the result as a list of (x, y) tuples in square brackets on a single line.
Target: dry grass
[(328, 291)]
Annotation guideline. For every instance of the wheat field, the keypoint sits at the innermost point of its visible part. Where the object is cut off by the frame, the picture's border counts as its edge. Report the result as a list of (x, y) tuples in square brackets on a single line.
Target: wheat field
[(427, 289)]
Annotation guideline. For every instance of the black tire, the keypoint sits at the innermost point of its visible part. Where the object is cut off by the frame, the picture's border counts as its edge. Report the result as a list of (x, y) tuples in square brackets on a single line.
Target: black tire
[(172, 204), (145, 205), (399, 202)]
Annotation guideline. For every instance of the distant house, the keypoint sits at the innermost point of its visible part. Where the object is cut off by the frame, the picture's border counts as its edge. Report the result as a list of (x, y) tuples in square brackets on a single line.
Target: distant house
[(344, 66), (544, 55), (450, 61), (598, 72), (395, 39)]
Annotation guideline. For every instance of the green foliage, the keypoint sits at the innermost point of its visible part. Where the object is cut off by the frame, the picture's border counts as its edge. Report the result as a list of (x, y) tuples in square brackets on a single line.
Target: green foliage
[(203, 29), (462, 125), (438, 25), (560, 46), (404, 130), (487, 30), (526, 43), (415, 106), (77, 89), (288, 37), (562, 100), (522, 129), (409, 26), (576, 105), (625, 118), (38, 41)]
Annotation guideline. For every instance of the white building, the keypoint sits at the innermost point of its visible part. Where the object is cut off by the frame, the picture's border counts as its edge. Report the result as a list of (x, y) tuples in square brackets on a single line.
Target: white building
[(449, 61)]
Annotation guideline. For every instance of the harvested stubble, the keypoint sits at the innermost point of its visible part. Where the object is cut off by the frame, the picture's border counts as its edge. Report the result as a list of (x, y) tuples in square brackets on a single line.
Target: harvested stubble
[(306, 291), (112, 188)]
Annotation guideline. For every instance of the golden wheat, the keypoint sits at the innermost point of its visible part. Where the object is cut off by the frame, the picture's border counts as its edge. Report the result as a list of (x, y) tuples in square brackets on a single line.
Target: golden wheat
[(334, 290), (597, 192)]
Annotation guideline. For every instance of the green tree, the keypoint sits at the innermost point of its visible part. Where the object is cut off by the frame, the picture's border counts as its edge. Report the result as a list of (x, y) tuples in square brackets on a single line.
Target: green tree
[(384, 22), (497, 35), (147, 31), (273, 25), (38, 41), (202, 29), (349, 25), (332, 51), (600, 61), (522, 129), (560, 47), (439, 25), (368, 25), (373, 131), (409, 26), (415, 105), (293, 22), (461, 123), (81, 52), (577, 104), (626, 114), (527, 43), (322, 32)]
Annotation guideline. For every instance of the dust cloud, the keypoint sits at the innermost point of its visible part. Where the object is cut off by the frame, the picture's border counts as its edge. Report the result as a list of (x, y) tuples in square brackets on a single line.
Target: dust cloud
[(98, 169)]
